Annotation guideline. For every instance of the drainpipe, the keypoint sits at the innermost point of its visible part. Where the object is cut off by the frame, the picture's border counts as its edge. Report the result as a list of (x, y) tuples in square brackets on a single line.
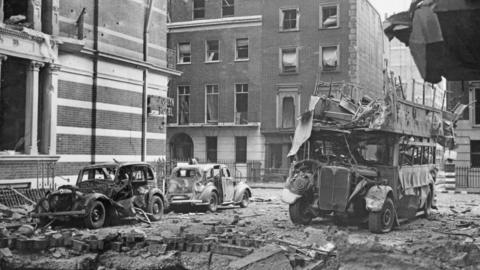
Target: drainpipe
[(93, 141), (146, 29)]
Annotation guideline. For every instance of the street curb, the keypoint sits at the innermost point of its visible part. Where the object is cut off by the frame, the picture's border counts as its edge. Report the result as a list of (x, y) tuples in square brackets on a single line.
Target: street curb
[(464, 192)]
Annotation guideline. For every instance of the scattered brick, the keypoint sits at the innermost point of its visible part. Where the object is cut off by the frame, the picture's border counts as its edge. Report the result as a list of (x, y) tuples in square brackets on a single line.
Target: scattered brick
[(232, 250), (5, 253), (79, 245), (116, 246)]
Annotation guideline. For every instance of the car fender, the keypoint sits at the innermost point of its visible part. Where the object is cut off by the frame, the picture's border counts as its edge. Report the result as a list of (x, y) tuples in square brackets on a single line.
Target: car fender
[(240, 189), (207, 192), (156, 192), (376, 196), (289, 197)]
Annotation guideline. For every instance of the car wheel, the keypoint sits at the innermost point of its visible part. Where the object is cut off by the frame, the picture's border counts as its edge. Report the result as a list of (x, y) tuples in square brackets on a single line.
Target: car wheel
[(95, 215), (213, 203), (382, 221), (299, 212), (155, 208), (427, 208), (245, 200)]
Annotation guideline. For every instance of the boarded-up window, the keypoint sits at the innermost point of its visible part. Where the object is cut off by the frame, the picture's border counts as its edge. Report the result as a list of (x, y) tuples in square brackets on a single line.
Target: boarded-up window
[(183, 105), (288, 112), (241, 103), (329, 17), (289, 19), (198, 9), (228, 8), (289, 60), (211, 149), (242, 49), (212, 103), (241, 149), (330, 58), (212, 51), (184, 53)]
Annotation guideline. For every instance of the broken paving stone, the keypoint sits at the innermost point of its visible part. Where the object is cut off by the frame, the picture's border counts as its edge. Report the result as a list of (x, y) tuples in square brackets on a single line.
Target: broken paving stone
[(211, 222), (267, 257), (232, 250)]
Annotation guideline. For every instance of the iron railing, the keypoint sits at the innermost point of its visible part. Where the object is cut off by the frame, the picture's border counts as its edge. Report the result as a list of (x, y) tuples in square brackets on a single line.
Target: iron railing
[(467, 177)]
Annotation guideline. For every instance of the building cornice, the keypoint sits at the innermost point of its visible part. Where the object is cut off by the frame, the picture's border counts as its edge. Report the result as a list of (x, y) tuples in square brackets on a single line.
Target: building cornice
[(212, 24)]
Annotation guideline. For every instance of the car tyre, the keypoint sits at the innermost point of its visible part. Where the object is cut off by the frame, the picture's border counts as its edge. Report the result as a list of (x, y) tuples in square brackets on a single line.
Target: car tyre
[(382, 221), (427, 208), (213, 203), (95, 215), (245, 200), (155, 208), (299, 212)]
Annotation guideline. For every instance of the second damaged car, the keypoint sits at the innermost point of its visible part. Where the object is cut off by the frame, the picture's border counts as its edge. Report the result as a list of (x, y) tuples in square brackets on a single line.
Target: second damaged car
[(103, 193), (207, 185)]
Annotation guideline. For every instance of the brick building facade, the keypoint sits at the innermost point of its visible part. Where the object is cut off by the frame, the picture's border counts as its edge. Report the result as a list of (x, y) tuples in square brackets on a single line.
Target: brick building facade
[(289, 44), (95, 85)]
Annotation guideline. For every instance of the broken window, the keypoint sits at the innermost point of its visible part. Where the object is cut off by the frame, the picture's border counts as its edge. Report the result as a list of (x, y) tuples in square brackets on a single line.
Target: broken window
[(15, 12), (330, 58), (477, 106), (183, 105), (212, 103), (228, 8), (241, 149), (289, 60), (198, 9), (242, 49), (212, 51), (288, 112), (475, 153), (184, 53), (289, 19), (211, 149), (241, 103), (329, 17)]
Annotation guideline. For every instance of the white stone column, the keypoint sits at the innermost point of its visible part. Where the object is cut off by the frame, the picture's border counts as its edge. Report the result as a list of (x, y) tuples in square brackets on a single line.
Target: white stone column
[(49, 114), (31, 108)]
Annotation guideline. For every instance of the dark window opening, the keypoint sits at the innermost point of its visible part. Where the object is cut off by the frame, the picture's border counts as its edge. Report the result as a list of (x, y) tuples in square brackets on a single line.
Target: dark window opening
[(183, 105), (15, 12), (288, 112), (228, 8), (475, 153), (241, 103), (242, 49), (213, 51), (12, 104), (198, 9), (211, 149), (289, 20), (241, 149), (212, 103), (477, 106), (329, 17)]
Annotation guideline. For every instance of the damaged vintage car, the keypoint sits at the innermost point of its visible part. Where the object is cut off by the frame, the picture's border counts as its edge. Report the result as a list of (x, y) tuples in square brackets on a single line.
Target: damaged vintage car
[(206, 185), (103, 193)]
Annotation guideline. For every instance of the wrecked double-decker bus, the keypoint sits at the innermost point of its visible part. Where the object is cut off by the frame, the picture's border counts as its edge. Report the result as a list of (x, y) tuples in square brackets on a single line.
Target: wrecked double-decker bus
[(376, 164)]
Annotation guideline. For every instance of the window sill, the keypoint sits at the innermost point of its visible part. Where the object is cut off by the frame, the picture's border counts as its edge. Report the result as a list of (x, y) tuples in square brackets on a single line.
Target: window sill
[(329, 28), (288, 73), (189, 63), (288, 30), (242, 60), (212, 62)]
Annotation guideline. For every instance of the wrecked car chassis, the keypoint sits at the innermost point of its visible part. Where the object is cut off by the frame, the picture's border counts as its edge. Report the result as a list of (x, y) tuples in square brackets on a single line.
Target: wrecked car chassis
[(103, 194), (362, 174)]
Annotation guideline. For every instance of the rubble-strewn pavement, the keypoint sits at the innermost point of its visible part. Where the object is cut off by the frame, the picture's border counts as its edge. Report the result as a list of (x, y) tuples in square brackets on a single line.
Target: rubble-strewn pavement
[(260, 236)]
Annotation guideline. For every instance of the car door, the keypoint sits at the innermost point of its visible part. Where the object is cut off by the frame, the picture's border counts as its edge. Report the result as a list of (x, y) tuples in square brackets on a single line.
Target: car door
[(228, 184)]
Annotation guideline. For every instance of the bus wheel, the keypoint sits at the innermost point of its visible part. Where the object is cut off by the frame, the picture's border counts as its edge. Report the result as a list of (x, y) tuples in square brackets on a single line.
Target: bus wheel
[(382, 221), (299, 212)]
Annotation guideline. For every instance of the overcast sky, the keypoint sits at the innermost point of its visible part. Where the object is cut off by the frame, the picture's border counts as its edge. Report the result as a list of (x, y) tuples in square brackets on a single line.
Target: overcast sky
[(390, 6)]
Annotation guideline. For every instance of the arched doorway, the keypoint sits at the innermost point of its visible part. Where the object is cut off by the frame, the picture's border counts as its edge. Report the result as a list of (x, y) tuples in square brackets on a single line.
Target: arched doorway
[(181, 147)]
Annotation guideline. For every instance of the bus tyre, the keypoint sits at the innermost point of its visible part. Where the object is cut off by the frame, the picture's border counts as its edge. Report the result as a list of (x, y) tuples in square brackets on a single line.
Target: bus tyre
[(382, 221), (299, 212), (427, 208)]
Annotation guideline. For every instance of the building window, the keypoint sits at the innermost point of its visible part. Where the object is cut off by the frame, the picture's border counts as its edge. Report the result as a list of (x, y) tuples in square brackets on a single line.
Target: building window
[(289, 19), (228, 8), (330, 58), (184, 53), (211, 149), (241, 149), (212, 53), (288, 112), (183, 105), (289, 60), (212, 103), (275, 156), (475, 153), (198, 9), (242, 49), (241, 103), (329, 17), (477, 106)]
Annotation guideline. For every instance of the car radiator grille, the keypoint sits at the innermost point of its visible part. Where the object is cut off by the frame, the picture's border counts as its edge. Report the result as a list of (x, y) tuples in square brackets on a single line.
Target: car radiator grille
[(334, 188), (60, 202)]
